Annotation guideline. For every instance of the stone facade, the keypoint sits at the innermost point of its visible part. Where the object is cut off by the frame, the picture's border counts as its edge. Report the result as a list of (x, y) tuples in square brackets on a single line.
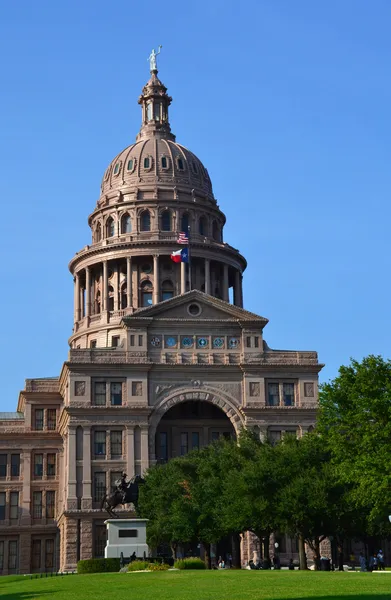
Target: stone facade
[(162, 358)]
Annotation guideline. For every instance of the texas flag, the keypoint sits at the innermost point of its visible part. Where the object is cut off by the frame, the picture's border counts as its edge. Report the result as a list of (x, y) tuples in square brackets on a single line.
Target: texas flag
[(180, 256)]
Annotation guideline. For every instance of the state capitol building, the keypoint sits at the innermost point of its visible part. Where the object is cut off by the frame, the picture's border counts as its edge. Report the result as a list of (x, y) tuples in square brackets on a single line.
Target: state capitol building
[(163, 357)]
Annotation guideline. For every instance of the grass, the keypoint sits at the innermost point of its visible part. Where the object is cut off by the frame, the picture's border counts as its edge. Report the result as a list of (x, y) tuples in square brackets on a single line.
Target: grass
[(201, 585)]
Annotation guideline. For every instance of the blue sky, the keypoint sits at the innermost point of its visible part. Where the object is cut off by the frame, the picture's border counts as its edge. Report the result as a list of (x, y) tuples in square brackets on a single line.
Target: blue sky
[(286, 102)]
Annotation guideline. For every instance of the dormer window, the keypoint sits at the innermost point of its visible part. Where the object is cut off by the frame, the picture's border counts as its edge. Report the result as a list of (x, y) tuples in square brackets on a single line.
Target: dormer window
[(131, 165), (194, 167), (146, 163), (117, 168), (180, 164), (164, 162)]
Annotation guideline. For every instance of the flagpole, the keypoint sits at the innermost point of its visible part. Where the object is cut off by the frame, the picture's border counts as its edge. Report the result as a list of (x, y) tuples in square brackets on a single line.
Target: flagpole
[(188, 237)]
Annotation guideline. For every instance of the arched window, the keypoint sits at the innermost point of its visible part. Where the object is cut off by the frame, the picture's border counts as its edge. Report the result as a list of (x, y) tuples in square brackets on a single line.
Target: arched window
[(97, 303), (202, 225), (216, 232), (124, 298), (166, 220), (146, 293), (110, 227), (126, 223), (145, 221), (111, 297), (167, 290), (98, 232), (185, 222)]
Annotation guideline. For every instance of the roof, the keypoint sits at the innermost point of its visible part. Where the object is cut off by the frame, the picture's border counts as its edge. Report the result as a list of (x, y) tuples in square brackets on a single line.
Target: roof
[(11, 416)]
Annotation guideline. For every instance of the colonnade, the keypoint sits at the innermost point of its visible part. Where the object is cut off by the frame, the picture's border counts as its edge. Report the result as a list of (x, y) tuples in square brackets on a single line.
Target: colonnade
[(84, 285)]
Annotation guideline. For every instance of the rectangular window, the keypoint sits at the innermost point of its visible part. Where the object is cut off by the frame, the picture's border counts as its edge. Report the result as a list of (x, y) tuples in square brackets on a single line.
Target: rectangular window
[(51, 468), (36, 555), (12, 555), (38, 419), (51, 419), (248, 341), (163, 447), (115, 341), (273, 394), (184, 444), (195, 440), (140, 337), (2, 506), (226, 435), (275, 437), (116, 394), (288, 390), (49, 554), (93, 344), (15, 465), (114, 477), (100, 443), (99, 540), (37, 505), (1, 555), (256, 342), (100, 393), (116, 443), (99, 485), (215, 435), (3, 465), (132, 340), (50, 504), (38, 465), (290, 433), (14, 505)]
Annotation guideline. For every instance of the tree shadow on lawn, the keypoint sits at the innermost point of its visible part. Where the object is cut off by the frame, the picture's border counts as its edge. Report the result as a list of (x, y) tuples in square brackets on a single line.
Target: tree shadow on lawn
[(26, 595)]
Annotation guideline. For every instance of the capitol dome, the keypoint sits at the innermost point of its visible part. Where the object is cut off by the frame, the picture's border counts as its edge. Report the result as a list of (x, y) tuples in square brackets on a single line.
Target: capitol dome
[(157, 159)]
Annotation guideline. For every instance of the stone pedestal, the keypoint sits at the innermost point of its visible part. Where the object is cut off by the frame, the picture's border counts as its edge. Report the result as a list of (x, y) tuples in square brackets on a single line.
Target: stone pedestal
[(126, 536)]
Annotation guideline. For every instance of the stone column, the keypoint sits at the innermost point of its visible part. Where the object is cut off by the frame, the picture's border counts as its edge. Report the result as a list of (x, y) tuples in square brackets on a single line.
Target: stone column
[(225, 283), (77, 297), (88, 291), (26, 492), (116, 287), (130, 451), (156, 279), (86, 539), (86, 502), (144, 449), (71, 492), (207, 276), (183, 278), (129, 282), (105, 299), (238, 298)]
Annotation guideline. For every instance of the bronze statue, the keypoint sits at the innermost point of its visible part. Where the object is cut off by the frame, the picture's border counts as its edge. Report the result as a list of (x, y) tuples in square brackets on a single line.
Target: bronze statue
[(125, 492)]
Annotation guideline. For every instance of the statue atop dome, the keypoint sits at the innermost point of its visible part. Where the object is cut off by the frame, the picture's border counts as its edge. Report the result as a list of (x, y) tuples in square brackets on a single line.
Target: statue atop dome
[(152, 59)]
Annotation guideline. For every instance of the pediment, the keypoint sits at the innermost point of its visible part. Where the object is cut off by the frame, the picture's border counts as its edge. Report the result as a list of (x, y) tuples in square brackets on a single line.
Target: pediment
[(211, 308)]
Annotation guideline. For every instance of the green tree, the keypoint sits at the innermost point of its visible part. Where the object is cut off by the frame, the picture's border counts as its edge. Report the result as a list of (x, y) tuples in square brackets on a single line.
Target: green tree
[(355, 416)]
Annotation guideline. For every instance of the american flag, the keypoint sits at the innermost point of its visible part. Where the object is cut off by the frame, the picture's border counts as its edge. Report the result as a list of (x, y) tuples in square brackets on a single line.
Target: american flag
[(182, 238)]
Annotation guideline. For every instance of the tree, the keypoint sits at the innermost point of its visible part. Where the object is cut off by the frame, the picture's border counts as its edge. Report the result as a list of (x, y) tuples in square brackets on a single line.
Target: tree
[(355, 416)]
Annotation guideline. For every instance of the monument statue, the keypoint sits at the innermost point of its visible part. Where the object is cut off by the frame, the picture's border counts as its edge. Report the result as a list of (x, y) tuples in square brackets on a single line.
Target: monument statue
[(124, 493), (152, 59)]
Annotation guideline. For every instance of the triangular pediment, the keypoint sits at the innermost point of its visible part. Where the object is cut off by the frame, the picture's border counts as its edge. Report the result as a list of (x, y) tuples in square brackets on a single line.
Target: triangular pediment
[(183, 307)]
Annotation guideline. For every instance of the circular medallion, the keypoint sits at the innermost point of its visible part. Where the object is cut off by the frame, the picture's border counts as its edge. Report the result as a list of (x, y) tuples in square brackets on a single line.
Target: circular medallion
[(218, 342), (233, 342), (202, 342), (155, 341), (187, 342), (170, 342)]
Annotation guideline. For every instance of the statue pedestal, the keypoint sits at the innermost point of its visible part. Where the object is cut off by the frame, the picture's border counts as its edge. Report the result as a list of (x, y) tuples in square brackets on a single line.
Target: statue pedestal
[(126, 536)]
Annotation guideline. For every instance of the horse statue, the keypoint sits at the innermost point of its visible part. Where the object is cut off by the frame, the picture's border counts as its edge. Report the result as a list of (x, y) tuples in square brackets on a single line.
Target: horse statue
[(125, 492)]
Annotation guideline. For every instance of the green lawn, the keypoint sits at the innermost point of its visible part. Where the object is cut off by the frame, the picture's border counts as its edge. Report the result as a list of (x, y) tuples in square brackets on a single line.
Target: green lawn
[(200, 585)]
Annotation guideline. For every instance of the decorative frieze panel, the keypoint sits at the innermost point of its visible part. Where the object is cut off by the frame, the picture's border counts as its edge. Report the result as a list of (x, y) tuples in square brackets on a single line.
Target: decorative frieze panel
[(309, 391), (80, 388)]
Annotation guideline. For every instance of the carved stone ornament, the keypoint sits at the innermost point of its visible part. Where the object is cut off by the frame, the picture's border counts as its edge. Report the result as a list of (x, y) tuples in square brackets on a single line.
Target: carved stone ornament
[(80, 388), (309, 390), (137, 388), (255, 388)]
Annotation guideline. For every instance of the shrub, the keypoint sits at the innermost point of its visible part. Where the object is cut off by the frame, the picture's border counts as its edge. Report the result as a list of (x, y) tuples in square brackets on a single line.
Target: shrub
[(138, 565), (158, 567), (189, 563), (98, 565)]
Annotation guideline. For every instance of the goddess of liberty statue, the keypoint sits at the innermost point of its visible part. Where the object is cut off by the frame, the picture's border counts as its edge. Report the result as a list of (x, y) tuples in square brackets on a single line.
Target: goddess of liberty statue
[(152, 59)]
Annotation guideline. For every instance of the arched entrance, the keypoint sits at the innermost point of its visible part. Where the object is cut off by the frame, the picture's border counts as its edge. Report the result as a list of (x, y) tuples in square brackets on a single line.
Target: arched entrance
[(189, 425), (186, 419)]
